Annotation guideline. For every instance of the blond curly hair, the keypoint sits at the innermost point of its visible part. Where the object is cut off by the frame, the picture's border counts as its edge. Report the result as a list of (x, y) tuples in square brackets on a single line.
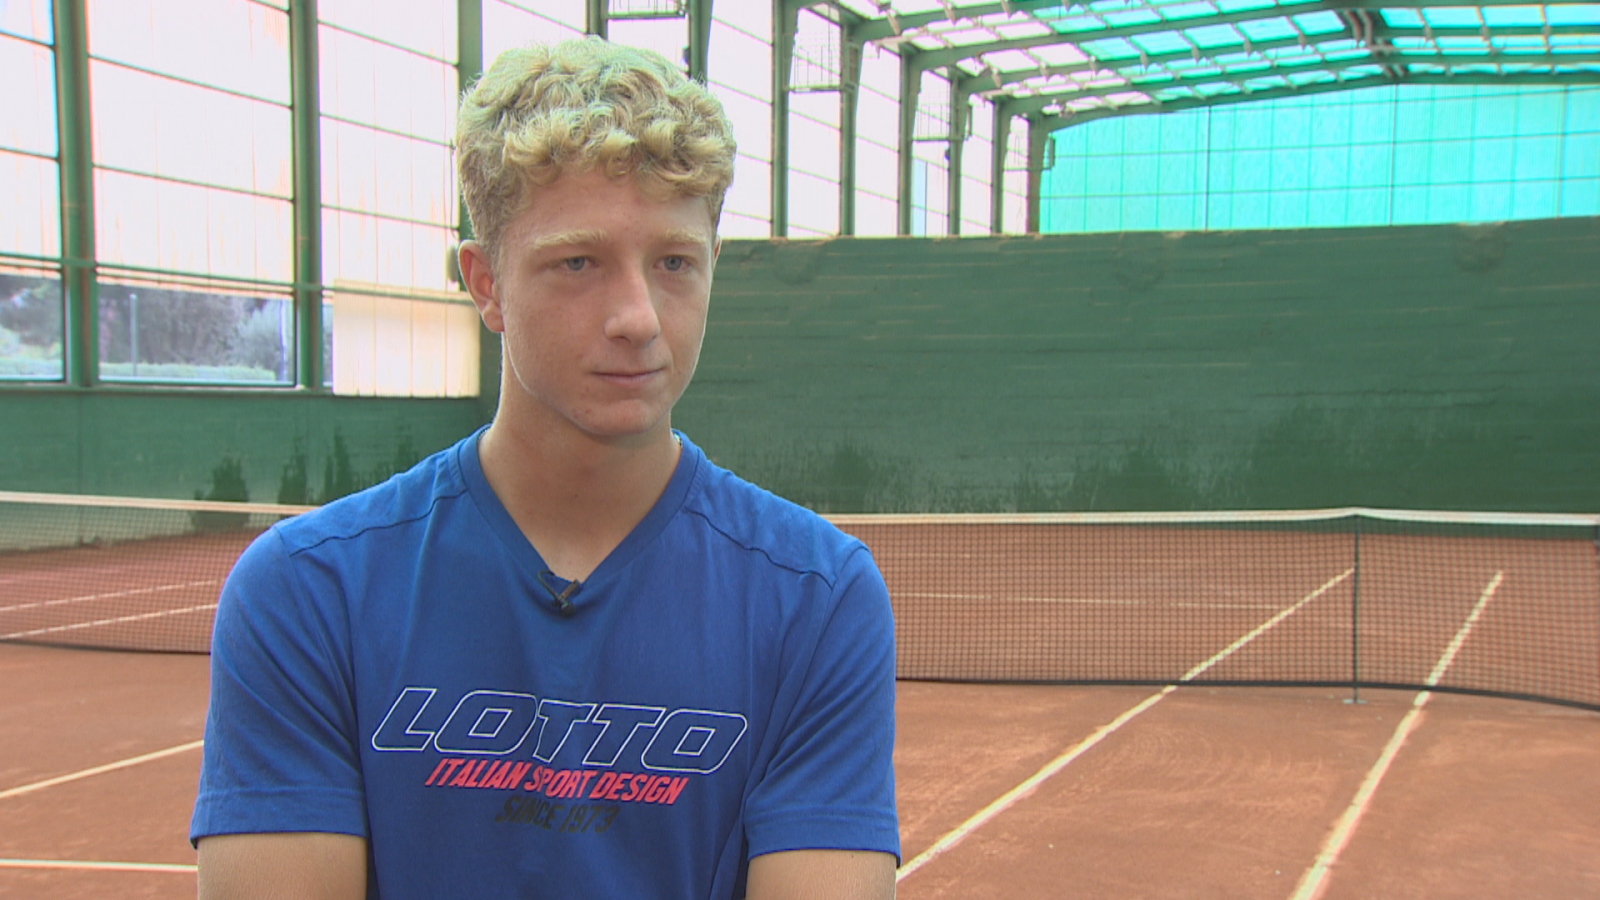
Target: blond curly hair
[(545, 110)]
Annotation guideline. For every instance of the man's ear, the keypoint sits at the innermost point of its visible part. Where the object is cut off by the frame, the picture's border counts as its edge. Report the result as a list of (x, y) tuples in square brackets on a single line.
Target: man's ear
[(477, 276)]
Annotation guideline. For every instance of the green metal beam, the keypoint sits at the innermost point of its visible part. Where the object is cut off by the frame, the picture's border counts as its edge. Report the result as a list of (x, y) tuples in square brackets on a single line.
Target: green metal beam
[(1055, 123), (1039, 102), (997, 168), (956, 150), (700, 40), (81, 328), (948, 56), (596, 17), (886, 27), (469, 65), (849, 95), (785, 22), (305, 127), (1038, 139), (910, 88)]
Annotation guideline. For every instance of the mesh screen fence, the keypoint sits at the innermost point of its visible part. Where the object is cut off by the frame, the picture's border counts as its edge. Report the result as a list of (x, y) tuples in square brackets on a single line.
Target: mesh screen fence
[(1502, 604)]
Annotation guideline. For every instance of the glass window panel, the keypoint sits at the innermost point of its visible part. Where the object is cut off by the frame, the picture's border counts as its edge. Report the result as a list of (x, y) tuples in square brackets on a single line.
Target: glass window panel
[(1496, 116), (425, 26), (668, 37), (1583, 110), (1326, 207), (30, 324), (392, 89), (154, 125), (877, 118), (230, 44), (1491, 201), (1537, 158), (148, 222), (29, 19), (813, 203), (740, 60), (1410, 205), (1580, 197), (1139, 173), (735, 225), (751, 192), (877, 169), (1580, 156), (975, 200), (876, 215), (1413, 164), (1370, 165), (30, 205), (813, 147), (179, 334), (28, 104), (751, 119), (1492, 159), (751, 18), (507, 25), (1535, 200)]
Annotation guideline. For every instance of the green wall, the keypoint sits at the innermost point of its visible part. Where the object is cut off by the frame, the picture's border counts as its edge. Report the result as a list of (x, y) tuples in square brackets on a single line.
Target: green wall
[(150, 443), (1426, 367), (1444, 367)]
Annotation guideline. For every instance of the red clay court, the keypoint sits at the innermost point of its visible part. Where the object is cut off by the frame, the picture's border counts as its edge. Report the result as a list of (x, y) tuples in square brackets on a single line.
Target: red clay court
[(1178, 782)]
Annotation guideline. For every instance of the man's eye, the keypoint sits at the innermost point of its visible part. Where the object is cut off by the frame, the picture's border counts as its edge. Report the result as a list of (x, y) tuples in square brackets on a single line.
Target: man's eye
[(575, 263), (676, 263)]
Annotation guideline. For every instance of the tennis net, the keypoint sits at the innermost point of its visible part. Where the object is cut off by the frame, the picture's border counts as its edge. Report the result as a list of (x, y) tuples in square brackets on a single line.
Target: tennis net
[(1502, 604)]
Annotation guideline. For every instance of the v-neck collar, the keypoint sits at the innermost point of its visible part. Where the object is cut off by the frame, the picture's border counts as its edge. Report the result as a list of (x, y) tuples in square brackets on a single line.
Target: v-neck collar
[(533, 567)]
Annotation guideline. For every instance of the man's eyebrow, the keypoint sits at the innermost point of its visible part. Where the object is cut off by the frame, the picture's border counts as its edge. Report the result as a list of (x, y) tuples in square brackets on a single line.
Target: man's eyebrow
[(564, 238), (687, 236)]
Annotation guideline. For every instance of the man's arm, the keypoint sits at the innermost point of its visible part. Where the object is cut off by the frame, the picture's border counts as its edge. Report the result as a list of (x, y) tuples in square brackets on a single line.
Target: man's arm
[(308, 866), (821, 875)]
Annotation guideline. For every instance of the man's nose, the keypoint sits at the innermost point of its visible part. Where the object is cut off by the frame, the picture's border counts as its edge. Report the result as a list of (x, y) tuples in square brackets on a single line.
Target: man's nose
[(633, 316)]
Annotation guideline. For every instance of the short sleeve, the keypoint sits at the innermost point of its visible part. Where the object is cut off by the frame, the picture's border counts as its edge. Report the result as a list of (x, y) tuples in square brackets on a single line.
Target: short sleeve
[(281, 752), (830, 783)]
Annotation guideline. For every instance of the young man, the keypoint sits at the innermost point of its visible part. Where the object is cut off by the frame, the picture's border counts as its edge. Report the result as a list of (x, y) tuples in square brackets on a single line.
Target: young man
[(569, 655)]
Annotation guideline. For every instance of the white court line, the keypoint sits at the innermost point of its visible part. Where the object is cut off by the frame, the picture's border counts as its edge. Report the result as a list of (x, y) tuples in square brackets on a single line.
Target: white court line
[(1314, 880), (54, 629), (110, 595), (98, 866), (100, 770), (1006, 800), (1081, 601)]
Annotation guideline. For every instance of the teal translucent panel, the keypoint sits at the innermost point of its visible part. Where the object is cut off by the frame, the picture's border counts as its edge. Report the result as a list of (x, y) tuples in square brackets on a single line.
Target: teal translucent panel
[(1385, 156)]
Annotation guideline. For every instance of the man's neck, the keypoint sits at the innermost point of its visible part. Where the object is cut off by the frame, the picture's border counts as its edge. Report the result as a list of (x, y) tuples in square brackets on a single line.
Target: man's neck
[(573, 496)]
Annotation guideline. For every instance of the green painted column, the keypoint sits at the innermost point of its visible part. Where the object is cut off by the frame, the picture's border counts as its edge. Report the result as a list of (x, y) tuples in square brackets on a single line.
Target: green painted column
[(700, 40), (469, 65), (595, 17), (785, 22), (849, 96), (1038, 139), (81, 341), (910, 87), (957, 145), (997, 167), (306, 127)]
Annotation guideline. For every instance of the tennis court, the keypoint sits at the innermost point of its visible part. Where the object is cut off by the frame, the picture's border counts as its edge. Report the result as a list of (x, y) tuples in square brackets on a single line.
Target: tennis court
[(1170, 768)]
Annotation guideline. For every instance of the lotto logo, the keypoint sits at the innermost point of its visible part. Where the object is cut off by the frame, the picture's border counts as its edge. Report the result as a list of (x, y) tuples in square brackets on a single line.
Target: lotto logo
[(500, 723)]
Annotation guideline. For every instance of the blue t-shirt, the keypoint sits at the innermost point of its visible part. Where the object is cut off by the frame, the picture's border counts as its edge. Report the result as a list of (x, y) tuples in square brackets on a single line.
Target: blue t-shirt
[(402, 665)]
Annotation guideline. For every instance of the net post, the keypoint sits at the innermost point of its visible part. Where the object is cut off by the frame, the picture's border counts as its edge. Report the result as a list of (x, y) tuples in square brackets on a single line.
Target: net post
[(1355, 614)]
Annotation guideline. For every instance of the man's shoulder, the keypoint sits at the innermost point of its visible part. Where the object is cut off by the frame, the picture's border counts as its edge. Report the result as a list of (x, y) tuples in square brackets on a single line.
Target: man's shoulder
[(388, 508), (757, 520)]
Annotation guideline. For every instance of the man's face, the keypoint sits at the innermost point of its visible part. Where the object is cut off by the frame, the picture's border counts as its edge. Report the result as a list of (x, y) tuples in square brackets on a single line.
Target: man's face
[(601, 294)]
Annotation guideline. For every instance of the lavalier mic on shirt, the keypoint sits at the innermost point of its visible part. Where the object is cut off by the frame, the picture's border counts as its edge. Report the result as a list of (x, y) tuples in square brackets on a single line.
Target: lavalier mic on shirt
[(562, 598)]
